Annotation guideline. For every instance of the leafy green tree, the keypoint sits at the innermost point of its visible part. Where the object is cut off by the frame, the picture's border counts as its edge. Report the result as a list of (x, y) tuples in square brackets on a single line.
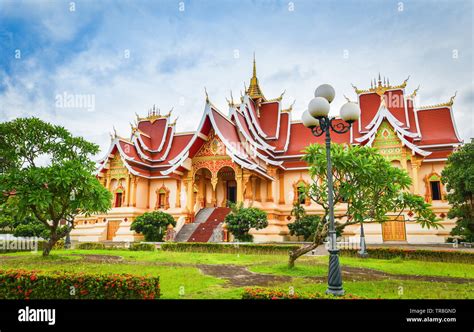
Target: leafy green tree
[(47, 174), (458, 175), (366, 184), (153, 225), (304, 225), (240, 220)]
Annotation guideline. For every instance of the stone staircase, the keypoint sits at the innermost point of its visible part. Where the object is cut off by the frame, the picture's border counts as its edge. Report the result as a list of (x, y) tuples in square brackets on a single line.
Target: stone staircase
[(188, 229), (203, 231)]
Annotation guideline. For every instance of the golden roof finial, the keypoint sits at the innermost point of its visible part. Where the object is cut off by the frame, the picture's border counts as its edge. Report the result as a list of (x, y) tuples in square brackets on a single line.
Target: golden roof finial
[(231, 101), (169, 113), (174, 122), (348, 100), (282, 94), (254, 89), (414, 92), (451, 100), (207, 96), (254, 67)]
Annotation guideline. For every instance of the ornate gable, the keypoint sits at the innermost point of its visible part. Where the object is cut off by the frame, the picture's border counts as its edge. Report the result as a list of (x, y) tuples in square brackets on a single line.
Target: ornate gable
[(388, 143), (213, 147), (117, 168)]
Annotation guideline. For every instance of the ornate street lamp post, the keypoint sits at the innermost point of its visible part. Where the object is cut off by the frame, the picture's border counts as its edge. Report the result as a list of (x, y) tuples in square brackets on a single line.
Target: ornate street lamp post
[(317, 119)]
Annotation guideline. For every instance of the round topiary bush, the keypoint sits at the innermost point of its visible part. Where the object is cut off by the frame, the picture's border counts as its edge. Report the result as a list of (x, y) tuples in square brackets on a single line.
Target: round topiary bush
[(153, 225)]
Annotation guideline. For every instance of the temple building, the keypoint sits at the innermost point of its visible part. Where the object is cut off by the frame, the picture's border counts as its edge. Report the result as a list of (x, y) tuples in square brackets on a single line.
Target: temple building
[(252, 154)]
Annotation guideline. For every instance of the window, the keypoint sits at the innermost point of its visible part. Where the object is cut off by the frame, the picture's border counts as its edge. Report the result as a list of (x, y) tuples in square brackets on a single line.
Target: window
[(301, 194), (118, 199), (435, 190), (161, 200)]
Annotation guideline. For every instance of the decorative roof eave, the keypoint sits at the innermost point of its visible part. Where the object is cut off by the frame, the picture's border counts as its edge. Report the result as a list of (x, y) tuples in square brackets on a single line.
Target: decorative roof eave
[(250, 124), (254, 121), (277, 99), (288, 134), (380, 88), (235, 155), (449, 106), (441, 105), (137, 145), (384, 113), (125, 159), (277, 130), (412, 146), (248, 138), (153, 115), (142, 144)]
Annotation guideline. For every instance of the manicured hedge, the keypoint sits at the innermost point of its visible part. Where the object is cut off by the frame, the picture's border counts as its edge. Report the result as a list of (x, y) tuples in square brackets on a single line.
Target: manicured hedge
[(425, 255), (142, 247), (22, 284), (90, 246), (277, 249), (277, 294)]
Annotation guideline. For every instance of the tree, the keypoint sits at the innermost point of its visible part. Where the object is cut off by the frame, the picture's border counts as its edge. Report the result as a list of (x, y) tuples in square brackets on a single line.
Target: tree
[(240, 220), (458, 175), (153, 225), (366, 184), (304, 225), (48, 175)]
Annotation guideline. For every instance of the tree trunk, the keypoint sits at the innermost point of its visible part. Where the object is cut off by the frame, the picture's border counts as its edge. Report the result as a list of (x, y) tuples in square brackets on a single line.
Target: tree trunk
[(294, 254), (318, 240), (48, 246)]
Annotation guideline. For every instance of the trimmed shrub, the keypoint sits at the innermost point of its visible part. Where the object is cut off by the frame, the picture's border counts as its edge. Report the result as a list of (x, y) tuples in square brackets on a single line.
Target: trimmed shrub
[(90, 246), (22, 284), (153, 225), (142, 247), (231, 248), (457, 256), (277, 294)]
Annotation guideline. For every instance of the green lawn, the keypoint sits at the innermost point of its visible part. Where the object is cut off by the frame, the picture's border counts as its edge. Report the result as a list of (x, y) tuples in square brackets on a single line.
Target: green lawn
[(181, 276)]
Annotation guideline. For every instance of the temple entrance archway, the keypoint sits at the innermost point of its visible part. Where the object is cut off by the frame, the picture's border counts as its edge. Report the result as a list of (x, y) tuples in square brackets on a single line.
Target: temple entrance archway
[(228, 195), (215, 189)]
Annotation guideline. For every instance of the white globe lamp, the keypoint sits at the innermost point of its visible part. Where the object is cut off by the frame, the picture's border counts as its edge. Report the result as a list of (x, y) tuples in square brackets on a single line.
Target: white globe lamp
[(308, 120), (325, 91), (318, 107), (350, 112)]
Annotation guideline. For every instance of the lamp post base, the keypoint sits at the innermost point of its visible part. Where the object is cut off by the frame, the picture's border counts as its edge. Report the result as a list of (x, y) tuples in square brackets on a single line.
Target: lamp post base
[(334, 278)]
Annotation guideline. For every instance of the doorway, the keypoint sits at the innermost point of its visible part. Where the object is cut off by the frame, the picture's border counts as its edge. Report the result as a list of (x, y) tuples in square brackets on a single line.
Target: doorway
[(394, 230), (231, 193), (112, 227)]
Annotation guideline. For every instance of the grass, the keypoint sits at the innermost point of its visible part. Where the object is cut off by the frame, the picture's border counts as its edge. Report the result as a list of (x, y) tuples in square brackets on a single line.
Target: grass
[(182, 279), (317, 266)]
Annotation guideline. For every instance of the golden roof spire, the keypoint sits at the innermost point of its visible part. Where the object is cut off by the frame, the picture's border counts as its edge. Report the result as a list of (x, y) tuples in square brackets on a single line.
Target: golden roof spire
[(254, 67), (254, 89)]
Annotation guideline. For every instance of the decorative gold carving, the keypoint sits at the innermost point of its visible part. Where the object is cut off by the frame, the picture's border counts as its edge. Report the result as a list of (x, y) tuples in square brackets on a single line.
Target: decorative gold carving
[(388, 143), (213, 147), (447, 104), (254, 90), (381, 87), (154, 114), (117, 168), (163, 190)]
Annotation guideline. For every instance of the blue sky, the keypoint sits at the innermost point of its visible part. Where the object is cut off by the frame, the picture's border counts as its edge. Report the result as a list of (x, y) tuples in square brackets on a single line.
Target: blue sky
[(175, 51)]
